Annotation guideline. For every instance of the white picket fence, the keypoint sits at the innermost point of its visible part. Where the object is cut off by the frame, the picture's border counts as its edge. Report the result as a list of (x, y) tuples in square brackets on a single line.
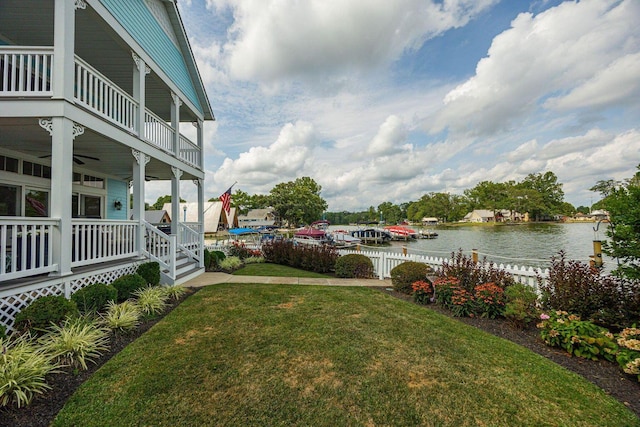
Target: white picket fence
[(384, 262)]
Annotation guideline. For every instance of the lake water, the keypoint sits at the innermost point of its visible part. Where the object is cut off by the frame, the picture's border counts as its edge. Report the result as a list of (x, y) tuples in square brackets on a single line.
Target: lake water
[(527, 244)]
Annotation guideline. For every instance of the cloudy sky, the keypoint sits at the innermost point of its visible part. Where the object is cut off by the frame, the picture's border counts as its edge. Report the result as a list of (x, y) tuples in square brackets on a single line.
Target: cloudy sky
[(380, 100)]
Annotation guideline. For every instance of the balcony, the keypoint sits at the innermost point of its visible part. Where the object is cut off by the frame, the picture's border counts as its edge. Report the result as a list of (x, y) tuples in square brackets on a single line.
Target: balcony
[(26, 72)]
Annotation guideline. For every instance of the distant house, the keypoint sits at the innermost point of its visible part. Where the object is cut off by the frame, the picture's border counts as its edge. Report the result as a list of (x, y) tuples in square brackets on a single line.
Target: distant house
[(600, 215), (480, 215), (426, 221), (156, 217), (257, 218)]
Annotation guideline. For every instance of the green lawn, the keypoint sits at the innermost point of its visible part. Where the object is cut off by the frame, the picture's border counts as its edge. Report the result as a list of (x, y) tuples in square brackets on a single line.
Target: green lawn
[(275, 270), (273, 355)]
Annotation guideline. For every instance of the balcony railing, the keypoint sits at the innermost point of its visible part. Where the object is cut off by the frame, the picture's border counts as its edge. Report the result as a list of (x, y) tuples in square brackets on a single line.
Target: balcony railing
[(27, 72)]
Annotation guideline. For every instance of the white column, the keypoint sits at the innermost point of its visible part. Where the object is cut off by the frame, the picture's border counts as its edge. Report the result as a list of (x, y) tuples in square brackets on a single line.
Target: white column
[(175, 124), (200, 141), (64, 48), (175, 199), (139, 167), (200, 184), (62, 131), (140, 70)]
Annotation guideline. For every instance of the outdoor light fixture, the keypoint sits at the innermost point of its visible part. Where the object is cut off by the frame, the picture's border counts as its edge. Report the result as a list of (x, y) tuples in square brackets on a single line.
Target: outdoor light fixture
[(117, 205)]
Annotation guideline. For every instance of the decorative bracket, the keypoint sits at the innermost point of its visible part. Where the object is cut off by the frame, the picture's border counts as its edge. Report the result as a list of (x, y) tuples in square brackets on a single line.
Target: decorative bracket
[(176, 99), (139, 62), (80, 4), (47, 124), (198, 182), (176, 172), (140, 157)]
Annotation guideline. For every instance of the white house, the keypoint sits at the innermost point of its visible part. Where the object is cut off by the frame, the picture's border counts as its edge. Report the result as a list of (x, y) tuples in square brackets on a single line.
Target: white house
[(479, 215), (257, 218), (96, 98)]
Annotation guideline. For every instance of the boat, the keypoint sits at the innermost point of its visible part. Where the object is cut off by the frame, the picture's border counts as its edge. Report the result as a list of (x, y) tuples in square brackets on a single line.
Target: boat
[(401, 232), (372, 235), (312, 236), (343, 239), (428, 234)]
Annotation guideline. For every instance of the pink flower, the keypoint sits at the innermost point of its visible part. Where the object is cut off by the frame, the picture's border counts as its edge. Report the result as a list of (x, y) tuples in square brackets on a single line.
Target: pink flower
[(544, 316)]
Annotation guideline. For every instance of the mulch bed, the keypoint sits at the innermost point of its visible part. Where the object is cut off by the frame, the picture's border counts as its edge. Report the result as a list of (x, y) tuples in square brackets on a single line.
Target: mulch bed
[(606, 375)]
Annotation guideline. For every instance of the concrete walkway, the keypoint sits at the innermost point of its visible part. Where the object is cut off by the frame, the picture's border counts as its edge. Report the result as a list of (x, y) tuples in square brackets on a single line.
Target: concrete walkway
[(206, 279)]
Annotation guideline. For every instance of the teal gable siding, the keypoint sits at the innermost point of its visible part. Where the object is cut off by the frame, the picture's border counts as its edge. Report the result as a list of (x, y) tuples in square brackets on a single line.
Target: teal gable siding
[(117, 190), (140, 23)]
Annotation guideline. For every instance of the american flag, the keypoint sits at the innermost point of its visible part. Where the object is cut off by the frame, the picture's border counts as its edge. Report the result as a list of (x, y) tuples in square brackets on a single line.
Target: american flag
[(225, 198)]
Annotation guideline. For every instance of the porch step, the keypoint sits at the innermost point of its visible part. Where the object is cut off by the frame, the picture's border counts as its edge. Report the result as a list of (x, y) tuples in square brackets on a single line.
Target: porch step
[(186, 269)]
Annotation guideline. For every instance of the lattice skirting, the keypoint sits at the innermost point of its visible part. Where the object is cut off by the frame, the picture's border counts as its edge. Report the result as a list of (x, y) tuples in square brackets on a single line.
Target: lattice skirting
[(12, 301)]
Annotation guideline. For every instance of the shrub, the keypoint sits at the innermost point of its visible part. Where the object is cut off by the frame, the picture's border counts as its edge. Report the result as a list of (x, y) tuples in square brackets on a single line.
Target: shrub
[(403, 275), (94, 297), (489, 300), (470, 274), (577, 337), (212, 259), (23, 370), (127, 285), (123, 317), (319, 259), (521, 308), (354, 266), (462, 303), (241, 251), (628, 356), (75, 342), (444, 288), (576, 287), (230, 263), (422, 292), (152, 300), (150, 271), (254, 260), (43, 312)]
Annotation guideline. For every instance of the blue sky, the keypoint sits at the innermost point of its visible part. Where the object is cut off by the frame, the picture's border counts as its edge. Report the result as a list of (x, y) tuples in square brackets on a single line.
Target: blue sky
[(386, 101)]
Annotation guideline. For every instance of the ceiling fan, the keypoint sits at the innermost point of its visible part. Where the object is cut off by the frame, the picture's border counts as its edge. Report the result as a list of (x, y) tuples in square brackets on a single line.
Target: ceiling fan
[(76, 158)]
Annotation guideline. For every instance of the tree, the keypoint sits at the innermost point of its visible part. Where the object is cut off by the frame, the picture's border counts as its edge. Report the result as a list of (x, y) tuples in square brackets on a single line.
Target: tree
[(550, 190), (159, 204), (298, 201), (622, 200), (392, 214)]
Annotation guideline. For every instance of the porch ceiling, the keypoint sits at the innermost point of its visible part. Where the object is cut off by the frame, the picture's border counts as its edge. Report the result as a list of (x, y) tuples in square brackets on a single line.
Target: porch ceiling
[(25, 136), (30, 23)]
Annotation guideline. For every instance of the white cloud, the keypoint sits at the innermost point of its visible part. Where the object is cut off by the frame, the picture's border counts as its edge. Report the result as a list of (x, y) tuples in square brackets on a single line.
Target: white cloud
[(576, 45), (389, 139), (271, 40)]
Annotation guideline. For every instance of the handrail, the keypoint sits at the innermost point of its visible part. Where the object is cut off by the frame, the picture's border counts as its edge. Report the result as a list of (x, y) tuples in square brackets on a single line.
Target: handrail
[(161, 247), (98, 240), (158, 132), (26, 70), (189, 241)]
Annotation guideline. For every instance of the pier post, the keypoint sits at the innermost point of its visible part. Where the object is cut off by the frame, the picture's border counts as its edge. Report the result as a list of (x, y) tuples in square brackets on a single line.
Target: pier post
[(404, 250), (597, 253), (474, 255)]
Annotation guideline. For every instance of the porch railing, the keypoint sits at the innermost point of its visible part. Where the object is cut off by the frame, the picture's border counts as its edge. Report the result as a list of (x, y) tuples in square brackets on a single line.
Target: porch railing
[(95, 241), (26, 248), (158, 132), (161, 247), (189, 152), (25, 71)]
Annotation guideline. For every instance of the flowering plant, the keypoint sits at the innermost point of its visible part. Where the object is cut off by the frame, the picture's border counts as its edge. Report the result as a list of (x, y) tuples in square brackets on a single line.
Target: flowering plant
[(462, 303), (444, 288), (628, 356), (422, 292), (490, 300), (578, 337)]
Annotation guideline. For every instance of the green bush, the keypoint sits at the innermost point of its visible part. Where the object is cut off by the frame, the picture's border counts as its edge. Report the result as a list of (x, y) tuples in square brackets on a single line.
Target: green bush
[(44, 311), (354, 266), (151, 272), (23, 369), (319, 259), (521, 309), (174, 292), (127, 285), (230, 263), (94, 298), (404, 275), (212, 259)]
